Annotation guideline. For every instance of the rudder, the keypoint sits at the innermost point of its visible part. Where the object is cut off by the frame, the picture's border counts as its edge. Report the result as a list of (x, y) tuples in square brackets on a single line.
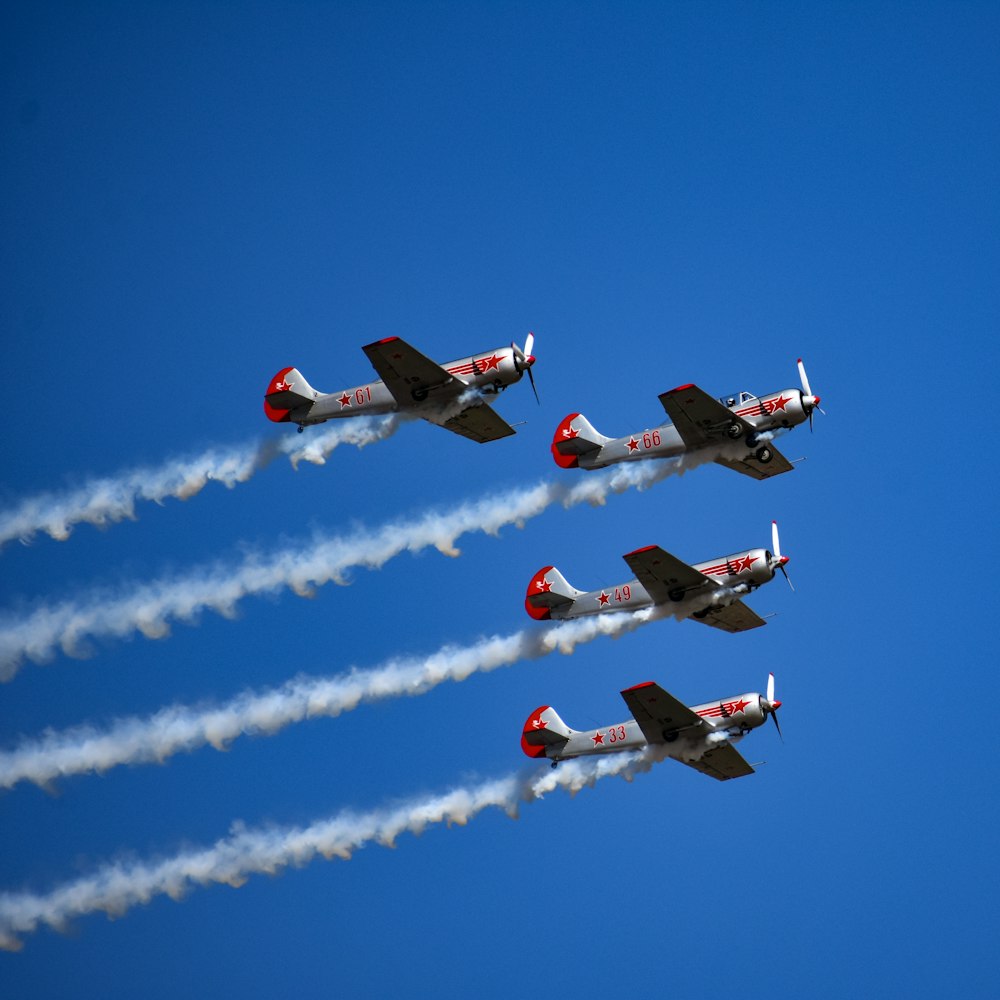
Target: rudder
[(575, 436), (547, 590), (542, 729), (287, 391)]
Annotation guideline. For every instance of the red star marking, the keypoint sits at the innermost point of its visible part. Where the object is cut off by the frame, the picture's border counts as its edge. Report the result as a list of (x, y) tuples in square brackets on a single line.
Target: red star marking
[(344, 400), (280, 386), (598, 739), (603, 599), (778, 404), (543, 585), (737, 706), (632, 444), (742, 565), (571, 432), (490, 364), (539, 724)]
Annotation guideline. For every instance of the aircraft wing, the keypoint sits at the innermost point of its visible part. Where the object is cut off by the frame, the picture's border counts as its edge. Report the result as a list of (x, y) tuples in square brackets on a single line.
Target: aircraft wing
[(753, 467), (661, 573), (722, 763), (699, 419), (735, 617), (406, 371), (658, 712), (478, 422)]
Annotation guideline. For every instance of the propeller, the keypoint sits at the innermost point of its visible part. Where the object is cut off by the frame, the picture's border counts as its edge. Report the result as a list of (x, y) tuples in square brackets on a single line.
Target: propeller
[(523, 360), (770, 706), (809, 401), (777, 559)]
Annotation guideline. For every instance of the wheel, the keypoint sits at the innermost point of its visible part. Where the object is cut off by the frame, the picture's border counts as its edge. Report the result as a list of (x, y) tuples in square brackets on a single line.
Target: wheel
[(419, 395), (669, 735), (302, 427), (764, 454), (676, 594), (751, 440), (735, 431)]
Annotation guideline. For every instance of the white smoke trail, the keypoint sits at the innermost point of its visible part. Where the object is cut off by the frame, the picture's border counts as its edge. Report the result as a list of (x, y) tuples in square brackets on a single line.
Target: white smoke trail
[(149, 608), (118, 886), (112, 499), (181, 728)]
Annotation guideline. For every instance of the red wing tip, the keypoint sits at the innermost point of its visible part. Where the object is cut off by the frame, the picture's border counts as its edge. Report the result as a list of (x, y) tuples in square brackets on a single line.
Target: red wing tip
[(636, 552), (378, 343), (681, 388), (639, 687), (799, 361)]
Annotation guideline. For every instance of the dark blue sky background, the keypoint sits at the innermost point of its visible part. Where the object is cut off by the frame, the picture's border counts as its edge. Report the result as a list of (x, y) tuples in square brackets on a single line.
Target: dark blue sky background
[(196, 196)]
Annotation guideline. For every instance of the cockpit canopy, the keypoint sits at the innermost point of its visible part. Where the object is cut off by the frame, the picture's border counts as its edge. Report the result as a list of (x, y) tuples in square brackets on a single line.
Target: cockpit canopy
[(737, 399)]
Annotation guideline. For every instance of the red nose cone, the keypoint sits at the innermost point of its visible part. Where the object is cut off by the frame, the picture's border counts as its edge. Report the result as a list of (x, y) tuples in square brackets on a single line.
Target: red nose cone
[(783, 560), (775, 705), (815, 400)]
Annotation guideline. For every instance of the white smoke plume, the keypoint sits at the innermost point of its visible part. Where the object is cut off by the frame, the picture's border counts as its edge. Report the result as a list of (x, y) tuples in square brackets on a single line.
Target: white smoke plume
[(118, 886), (150, 607), (114, 498), (180, 728)]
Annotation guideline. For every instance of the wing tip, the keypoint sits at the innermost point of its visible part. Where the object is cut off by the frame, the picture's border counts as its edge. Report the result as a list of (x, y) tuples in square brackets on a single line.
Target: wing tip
[(638, 552)]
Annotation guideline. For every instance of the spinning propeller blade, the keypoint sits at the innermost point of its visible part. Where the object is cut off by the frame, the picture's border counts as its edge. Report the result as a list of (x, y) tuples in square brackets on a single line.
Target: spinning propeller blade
[(771, 706), (809, 401), (778, 559), (524, 360)]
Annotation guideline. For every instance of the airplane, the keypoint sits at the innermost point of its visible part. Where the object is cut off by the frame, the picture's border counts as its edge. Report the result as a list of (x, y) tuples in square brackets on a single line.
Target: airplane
[(701, 736), (708, 592), (738, 428), (450, 395)]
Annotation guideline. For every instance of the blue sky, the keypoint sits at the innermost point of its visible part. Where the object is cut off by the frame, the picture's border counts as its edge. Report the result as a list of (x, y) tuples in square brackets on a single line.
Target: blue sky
[(196, 196)]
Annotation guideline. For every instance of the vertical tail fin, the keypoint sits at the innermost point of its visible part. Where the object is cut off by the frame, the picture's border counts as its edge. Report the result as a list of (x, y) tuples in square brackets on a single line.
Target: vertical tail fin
[(287, 391), (549, 591), (543, 729), (575, 436)]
